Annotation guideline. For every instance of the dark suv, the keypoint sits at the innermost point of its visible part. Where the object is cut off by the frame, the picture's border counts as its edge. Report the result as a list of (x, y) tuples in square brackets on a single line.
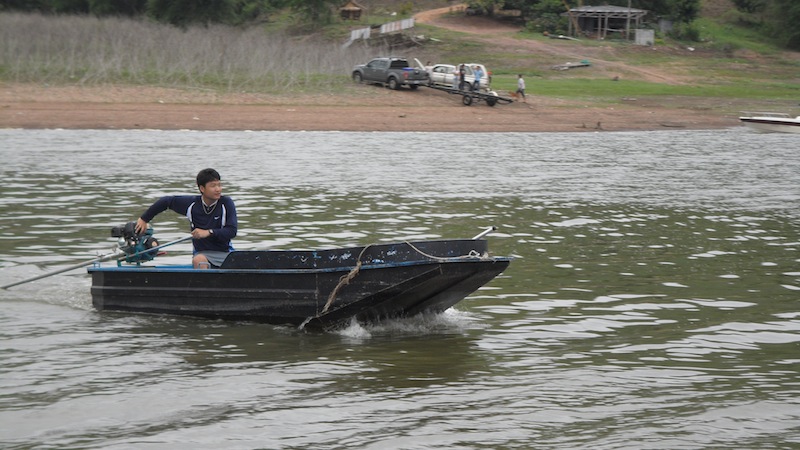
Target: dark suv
[(391, 72)]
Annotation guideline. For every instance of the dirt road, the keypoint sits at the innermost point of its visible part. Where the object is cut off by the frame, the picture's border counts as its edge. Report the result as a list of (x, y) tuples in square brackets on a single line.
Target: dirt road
[(500, 35)]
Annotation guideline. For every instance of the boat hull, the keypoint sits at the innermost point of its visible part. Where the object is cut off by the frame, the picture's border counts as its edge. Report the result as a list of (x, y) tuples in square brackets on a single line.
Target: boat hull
[(772, 124), (315, 288)]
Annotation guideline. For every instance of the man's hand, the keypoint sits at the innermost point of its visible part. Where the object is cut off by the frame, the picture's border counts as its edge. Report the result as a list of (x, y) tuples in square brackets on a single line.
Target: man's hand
[(198, 233), (141, 226)]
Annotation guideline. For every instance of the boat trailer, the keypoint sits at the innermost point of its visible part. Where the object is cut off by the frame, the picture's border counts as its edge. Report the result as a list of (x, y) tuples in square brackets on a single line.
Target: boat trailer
[(468, 97)]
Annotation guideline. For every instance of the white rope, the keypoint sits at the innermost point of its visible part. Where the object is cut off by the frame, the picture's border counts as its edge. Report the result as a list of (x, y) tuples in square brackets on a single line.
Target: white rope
[(471, 255)]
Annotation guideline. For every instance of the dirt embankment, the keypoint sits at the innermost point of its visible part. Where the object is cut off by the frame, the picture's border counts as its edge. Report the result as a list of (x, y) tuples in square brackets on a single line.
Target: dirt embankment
[(378, 109)]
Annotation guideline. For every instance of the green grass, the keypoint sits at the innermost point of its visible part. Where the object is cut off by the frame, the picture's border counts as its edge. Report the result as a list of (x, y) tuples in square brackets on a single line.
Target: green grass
[(613, 91), (725, 36)]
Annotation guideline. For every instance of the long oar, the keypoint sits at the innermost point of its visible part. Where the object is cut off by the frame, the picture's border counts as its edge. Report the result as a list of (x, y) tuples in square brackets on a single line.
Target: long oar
[(115, 255)]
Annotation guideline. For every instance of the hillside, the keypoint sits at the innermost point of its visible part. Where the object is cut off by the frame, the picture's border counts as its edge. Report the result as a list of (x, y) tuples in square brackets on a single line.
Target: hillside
[(666, 62)]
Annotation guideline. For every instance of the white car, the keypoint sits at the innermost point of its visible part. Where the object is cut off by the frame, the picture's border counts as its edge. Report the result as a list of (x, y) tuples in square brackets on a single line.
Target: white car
[(447, 75), (442, 74)]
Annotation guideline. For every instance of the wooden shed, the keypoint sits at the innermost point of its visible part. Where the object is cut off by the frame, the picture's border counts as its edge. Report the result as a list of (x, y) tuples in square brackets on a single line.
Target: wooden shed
[(598, 21), (351, 11)]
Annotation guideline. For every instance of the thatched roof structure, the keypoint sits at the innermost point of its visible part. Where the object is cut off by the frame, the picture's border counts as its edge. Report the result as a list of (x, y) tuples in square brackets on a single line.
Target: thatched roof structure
[(351, 11)]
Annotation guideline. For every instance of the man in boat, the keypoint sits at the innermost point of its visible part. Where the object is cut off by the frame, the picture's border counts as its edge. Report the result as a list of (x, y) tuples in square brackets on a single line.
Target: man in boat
[(211, 215)]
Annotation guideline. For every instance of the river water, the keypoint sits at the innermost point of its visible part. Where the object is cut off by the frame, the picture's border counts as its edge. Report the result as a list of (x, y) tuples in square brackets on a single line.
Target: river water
[(654, 299)]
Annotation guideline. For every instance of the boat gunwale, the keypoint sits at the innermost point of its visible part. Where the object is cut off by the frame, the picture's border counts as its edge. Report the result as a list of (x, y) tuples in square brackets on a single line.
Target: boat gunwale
[(765, 114), (185, 268), (772, 120)]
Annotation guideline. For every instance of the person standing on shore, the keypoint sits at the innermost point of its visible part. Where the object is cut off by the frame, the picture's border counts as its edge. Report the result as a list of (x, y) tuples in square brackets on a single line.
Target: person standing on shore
[(212, 217), (462, 74), (478, 75), (521, 88)]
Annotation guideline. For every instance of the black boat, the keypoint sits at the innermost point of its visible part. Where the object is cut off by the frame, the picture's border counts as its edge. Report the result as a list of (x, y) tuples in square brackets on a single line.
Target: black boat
[(316, 288)]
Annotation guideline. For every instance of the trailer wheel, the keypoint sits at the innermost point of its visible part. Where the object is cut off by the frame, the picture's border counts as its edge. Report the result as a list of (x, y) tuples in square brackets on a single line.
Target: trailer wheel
[(491, 101), (467, 100)]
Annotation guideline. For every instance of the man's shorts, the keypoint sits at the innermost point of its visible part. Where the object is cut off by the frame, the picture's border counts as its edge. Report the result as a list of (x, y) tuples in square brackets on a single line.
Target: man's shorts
[(214, 257)]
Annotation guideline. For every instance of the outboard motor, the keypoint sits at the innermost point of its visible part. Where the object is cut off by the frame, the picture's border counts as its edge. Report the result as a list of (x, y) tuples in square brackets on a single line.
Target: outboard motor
[(135, 246)]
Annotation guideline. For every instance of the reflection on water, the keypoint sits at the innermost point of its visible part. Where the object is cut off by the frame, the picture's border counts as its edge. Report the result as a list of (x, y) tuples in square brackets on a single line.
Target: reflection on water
[(653, 301)]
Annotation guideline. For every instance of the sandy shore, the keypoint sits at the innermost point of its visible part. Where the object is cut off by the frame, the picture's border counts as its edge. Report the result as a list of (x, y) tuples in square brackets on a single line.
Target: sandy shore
[(364, 108)]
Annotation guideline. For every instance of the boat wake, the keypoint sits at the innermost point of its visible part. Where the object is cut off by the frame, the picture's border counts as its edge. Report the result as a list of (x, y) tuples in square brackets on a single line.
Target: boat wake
[(451, 321), (65, 290)]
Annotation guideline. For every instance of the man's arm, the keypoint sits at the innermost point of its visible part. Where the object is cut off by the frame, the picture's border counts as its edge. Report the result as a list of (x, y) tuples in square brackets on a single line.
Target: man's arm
[(231, 227), (175, 203)]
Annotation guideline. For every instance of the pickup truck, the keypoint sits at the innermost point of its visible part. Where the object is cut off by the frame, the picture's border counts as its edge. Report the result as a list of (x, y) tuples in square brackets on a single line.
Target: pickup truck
[(391, 72)]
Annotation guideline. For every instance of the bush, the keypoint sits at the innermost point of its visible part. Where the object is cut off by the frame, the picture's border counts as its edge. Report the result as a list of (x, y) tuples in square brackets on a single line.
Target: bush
[(685, 32), (551, 23)]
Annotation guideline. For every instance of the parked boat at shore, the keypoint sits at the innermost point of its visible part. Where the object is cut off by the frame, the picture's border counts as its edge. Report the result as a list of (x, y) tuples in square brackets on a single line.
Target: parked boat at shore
[(770, 122)]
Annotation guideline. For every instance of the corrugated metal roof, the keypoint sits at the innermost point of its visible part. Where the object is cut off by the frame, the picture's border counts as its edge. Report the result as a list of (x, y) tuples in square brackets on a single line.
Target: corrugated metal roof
[(607, 9)]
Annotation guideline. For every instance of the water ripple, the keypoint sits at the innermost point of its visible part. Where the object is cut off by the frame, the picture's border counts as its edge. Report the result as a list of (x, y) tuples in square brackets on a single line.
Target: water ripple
[(652, 302)]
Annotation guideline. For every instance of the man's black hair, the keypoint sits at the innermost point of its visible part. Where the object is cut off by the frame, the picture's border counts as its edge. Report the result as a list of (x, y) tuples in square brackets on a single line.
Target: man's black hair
[(206, 176)]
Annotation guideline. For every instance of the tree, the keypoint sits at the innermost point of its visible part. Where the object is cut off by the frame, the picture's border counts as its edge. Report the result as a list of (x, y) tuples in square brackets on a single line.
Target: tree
[(248, 10), (522, 6), (185, 12), (655, 7), (117, 7), (784, 16), (751, 6), (316, 12), (24, 5), (685, 11), (546, 16), (69, 6), (775, 18), (488, 6)]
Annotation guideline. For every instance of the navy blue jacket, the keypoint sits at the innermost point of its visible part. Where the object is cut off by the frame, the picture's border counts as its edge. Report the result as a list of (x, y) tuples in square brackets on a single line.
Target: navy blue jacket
[(222, 219)]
